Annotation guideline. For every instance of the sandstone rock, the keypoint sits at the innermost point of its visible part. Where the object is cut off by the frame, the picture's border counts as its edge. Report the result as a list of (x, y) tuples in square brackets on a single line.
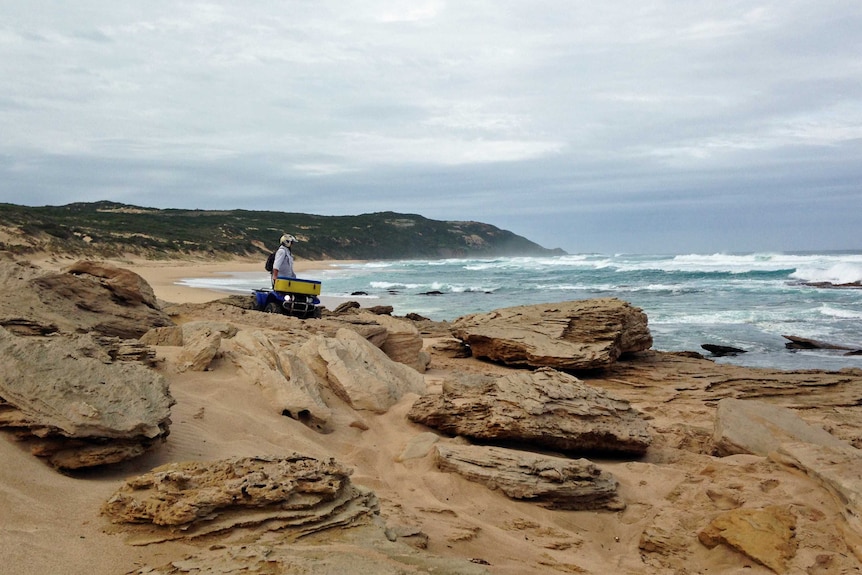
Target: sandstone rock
[(360, 550), (171, 336), (201, 342), (451, 347), (358, 372), (746, 426), (546, 408), (835, 468), (291, 385), (574, 335), (552, 482), (74, 406), (419, 446), (403, 343), (765, 535), (271, 492), (89, 296)]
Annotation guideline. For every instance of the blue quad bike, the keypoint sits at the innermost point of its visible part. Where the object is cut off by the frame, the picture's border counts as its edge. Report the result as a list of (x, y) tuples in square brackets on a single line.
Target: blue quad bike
[(290, 296)]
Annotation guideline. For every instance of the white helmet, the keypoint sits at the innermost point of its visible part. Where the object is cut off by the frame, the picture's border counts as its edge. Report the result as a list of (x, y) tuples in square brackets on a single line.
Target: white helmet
[(287, 239)]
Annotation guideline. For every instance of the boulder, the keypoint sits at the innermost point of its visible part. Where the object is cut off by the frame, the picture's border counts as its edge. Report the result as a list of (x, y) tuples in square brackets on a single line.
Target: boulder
[(765, 535), (574, 335), (551, 482), (201, 342), (747, 426), (91, 296), (192, 499), (403, 342), (75, 406), (358, 372), (545, 408)]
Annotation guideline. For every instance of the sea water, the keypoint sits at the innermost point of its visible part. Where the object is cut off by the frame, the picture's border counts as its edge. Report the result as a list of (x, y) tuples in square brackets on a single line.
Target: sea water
[(747, 301)]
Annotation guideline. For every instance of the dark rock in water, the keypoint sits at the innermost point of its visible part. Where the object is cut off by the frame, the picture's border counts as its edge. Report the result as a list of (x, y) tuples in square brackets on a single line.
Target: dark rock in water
[(432, 292), (721, 350), (805, 343), (359, 293)]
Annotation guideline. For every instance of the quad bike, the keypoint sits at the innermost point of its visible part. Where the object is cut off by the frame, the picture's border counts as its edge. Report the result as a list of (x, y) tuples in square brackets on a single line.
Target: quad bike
[(290, 296)]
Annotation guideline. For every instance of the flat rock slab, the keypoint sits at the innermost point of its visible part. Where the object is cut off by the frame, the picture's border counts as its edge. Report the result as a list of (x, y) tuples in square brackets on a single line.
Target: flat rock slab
[(545, 408), (574, 335), (748, 426), (552, 482)]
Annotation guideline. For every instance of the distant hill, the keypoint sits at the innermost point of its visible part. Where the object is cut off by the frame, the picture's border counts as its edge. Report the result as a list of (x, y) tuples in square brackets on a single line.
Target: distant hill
[(109, 229)]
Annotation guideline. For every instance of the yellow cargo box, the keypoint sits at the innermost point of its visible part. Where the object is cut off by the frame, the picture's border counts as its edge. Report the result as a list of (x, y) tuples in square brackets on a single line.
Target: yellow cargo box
[(296, 285)]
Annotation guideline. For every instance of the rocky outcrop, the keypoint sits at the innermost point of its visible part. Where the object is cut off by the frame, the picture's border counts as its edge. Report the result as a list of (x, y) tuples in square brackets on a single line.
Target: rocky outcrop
[(574, 335), (545, 408), (269, 492), (75, 406), (86, 297), (552, 482)]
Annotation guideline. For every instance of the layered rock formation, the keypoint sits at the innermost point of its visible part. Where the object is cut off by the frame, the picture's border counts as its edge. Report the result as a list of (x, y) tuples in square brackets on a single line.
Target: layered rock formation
[(575, 335), (75, 406), (545, 408)]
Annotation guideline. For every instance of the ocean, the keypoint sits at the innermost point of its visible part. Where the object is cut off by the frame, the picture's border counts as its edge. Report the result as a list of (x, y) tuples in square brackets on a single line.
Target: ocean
[(747, 301)]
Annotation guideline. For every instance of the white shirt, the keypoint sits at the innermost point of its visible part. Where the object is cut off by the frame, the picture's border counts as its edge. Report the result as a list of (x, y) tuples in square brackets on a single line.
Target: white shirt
[(283, 263)]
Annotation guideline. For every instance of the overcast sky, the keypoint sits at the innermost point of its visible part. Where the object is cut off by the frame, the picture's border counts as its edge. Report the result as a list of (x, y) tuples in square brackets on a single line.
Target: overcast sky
[(608, 126)]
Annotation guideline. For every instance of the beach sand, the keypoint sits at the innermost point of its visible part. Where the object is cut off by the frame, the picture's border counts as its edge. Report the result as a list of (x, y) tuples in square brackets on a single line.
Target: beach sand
[(50, 522)]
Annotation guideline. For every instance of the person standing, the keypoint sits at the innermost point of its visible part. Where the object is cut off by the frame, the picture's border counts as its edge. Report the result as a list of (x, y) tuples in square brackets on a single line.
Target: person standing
[(282, 266)]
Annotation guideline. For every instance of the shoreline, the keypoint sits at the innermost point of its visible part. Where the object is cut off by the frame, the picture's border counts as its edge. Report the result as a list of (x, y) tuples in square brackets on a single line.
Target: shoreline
[(163, 275)]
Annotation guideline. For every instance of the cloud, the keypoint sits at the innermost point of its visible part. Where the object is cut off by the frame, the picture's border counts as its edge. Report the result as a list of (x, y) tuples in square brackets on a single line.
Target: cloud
[(545, 117)]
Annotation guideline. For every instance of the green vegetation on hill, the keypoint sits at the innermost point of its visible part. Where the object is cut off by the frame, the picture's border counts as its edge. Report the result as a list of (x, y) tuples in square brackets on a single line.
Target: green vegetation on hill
[(109, 229)]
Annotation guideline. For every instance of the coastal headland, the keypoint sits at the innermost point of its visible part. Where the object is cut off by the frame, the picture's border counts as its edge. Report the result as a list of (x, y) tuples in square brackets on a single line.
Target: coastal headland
[(150, 427)]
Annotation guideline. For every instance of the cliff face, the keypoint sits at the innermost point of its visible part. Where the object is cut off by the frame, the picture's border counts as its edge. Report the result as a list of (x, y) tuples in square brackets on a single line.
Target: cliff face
[(111, 229)]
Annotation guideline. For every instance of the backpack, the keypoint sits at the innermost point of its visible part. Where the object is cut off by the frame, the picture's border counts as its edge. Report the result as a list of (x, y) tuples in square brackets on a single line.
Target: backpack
[(269, 261)]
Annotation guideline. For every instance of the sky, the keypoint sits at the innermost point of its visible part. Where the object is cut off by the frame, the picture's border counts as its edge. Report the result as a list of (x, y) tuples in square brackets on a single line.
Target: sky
[(633, 126)]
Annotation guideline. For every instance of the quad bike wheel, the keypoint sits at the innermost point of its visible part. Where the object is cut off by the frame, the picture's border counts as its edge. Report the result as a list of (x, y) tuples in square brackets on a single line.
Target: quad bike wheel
[(272, 307)]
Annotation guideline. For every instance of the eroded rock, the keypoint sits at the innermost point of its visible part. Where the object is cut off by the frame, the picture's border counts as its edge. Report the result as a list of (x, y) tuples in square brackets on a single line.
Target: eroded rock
[(75, 406), (766, 535), (85, 297), (552, 482), (546, 408), (207, 497), (574, 335)]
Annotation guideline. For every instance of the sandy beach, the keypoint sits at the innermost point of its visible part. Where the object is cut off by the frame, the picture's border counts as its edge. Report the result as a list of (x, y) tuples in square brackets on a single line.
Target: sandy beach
[(51, 522)]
